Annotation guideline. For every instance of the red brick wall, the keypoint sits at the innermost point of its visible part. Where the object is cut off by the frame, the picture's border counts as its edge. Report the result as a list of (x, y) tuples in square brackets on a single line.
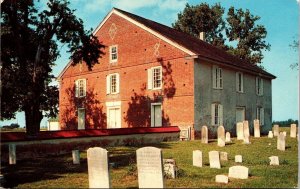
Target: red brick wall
[(136, 54)]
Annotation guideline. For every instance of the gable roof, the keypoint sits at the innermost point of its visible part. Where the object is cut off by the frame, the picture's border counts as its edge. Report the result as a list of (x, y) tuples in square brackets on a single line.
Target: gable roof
[(187, 43)]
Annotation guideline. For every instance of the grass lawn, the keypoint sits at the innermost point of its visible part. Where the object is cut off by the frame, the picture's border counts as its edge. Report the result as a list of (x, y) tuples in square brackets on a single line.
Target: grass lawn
[(59, 172)]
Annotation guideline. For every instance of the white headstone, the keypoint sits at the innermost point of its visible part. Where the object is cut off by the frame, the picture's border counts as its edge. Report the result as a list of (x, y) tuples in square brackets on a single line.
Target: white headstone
[(223, 156), (214, 159), (150, 168), (222, 179), (256, 128), (221, 136), (76, 156), (12, 154), (246, 140), (227, 137), (97, 159), (240, 130), (276, 130), (281, 142), (293, 131), (270, 135), (274, 160), (284, 133), (246, 128), (239, 172), (204, 135), (197, 158), (170, 168), (238, 159)]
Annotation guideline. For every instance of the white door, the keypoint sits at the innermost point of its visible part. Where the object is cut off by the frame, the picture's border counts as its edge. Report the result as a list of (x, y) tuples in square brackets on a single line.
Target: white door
[(240, 114), (156, 115), (81, 119), (114, 118)]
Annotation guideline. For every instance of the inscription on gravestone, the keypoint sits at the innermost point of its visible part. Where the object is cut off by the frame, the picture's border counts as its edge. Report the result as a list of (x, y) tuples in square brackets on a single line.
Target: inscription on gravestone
[(240, 130)]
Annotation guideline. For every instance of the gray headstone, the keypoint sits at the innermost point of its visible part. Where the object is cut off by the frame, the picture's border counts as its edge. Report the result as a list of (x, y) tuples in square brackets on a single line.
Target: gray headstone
[(256, 128), (246, 128), (274, 160), (204, 134), (12, 154), (97, 159), (240, 130), (270, 135), (281, 142), (150, 167), (170, 168), (276, 130), (222, 179), (223, 156), (197, 158), (293, 132), (227, 137), (221, 136), (238, 159), (76, 156), (214, 159), (239, 172)]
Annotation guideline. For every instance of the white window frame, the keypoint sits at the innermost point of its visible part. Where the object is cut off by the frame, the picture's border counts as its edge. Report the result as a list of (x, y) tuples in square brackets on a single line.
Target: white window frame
[(113, 105), (239, 82), (217, 77), (79, 88), (259, 82), (111, 54), (151, 79), (152, 114), (109, 86), (260, 115), (216, 114)]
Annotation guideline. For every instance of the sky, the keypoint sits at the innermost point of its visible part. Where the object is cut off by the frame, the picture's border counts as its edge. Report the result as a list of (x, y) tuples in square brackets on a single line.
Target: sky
[(280, 18)]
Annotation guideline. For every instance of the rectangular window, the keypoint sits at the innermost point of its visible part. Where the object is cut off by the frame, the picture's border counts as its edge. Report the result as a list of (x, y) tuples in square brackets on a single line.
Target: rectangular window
[(113, 53), (260, 115), (217, 77), (259, 86), (80, 88), (216, 114), (239, 82), (112, 83), (155, 78)]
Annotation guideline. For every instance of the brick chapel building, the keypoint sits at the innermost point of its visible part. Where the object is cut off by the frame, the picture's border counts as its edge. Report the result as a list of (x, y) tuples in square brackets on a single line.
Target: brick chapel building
[(154, 76)]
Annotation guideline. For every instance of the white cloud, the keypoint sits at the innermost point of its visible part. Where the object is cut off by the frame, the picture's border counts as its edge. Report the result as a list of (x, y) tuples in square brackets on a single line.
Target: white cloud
[(298, 1), (176, 5), (96, 5)]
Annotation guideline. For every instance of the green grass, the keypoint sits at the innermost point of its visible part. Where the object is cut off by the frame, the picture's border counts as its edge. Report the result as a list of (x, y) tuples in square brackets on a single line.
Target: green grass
[(59, 172)]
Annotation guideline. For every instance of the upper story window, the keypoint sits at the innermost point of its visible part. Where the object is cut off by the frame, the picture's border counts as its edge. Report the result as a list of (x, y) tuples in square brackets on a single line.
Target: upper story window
[(259, 86), (216, 114), (80, 87), (239, 82), (260, 115), (112, 83), (113, 51), (217, 77), (155, 78)]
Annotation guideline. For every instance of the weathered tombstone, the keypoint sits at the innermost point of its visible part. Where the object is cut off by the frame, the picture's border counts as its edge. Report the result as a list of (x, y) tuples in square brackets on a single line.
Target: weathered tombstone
[(223, 156), (221, 136), (270, 135), (197, 158), (227, 137), (246, 140), (274, 160), (150, 168), (256, 128), (204, 134), (293, 131), (222, 179), (281, 142), (12, 154), (76, 156), (276, 130), (239, 172), (246, 128), (238, 159), (170, 168), (214, 159), (284, 133), (240, 130), (97, 159)]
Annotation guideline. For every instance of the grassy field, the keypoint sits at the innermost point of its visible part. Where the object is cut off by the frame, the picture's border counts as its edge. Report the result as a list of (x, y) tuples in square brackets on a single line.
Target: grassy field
[(59, 172)]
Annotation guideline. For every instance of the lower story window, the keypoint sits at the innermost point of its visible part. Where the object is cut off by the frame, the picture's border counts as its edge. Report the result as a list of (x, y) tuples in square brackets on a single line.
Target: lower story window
[(216, 114), (260, 115)]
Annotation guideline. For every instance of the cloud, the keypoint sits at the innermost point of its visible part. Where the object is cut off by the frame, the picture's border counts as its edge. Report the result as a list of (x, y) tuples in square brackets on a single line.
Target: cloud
[(298, 1), (95, 5)]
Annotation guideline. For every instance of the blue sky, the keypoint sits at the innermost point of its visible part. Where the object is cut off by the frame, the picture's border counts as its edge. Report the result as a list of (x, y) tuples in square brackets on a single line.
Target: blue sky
[(280, 17)]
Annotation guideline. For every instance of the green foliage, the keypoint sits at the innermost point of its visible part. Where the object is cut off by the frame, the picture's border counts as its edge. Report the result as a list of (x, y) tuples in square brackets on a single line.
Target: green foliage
[(286, 123)]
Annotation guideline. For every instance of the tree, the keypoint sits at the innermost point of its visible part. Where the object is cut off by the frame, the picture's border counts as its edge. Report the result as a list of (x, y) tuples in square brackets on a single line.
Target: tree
[(295, 46), (238, 28), (29, 49)]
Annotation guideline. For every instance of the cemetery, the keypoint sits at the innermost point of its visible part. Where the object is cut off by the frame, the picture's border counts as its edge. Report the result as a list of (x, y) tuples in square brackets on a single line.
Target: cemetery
[(264, 162)]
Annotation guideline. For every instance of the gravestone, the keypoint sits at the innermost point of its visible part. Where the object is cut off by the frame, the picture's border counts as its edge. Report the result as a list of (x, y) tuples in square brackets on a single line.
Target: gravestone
[(274, 160), (238, 159), (150, 167), (12, 154), (97, 160), (197, 158), (214, 159), (284, 133), (240, 130), (246, 128), (270, 135), (227, 137), (281, 142), (293, 131), (246, 140), (221, 136), (204, 134), (276, 130), (256, 128), (239, 172), (222, 179), (76, 156), (223, 156), (170, 168)]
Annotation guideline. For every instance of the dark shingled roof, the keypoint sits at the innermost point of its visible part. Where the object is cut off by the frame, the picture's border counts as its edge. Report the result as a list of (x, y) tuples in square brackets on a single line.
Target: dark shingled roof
[(199, 47)]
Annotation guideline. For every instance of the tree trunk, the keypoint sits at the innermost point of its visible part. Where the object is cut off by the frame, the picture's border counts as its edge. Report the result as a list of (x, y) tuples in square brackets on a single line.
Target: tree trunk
[(33, 117)]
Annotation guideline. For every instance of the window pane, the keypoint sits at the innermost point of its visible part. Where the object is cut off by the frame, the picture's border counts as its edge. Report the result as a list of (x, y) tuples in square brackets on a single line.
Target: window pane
[(81, 88), (113, 83), (156, 78)]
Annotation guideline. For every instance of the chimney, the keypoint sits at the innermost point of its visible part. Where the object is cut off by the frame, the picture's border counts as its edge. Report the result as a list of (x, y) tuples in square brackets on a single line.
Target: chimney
[(202, 36)]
